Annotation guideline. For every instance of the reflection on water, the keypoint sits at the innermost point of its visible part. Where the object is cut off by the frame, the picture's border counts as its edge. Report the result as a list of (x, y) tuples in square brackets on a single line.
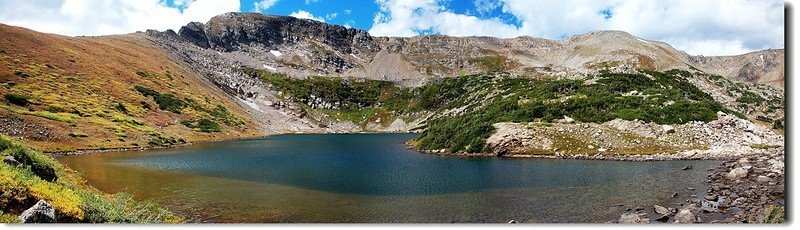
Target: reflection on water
[(374, 178)]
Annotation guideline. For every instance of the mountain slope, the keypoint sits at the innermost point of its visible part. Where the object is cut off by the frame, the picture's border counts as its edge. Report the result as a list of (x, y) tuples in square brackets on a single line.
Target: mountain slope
[(65, 93)]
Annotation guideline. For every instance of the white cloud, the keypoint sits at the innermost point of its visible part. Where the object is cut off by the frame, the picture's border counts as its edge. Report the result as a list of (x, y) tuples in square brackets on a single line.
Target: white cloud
[(709, 27), (485, 6), (308, 2), (306, 15), (331, 16), (102, 17), (407, 18), (262, 6), (347, 11)]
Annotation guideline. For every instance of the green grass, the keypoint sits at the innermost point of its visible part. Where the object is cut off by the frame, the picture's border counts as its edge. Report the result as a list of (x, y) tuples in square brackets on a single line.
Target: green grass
[(40, 177), (202, 125), (764, 146), (490, 63), (62, 117), (773, 214)]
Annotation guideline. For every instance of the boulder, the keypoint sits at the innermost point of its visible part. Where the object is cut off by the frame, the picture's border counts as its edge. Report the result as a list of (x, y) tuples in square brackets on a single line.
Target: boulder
[(633, 218), (568, 120), (668, 128), (686, 216), (737, 173), (41, 212), (661, 210), (763, 179), (10, 160)]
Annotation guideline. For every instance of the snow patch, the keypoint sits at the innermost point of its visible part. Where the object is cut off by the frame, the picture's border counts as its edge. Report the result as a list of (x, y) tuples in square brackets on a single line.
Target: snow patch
[(219, 53), (276, 53), (250, 103), (642, 40), (269, 67)]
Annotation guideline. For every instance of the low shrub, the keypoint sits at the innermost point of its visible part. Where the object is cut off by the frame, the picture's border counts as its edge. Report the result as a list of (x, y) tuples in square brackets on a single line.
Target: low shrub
[(16, 99)]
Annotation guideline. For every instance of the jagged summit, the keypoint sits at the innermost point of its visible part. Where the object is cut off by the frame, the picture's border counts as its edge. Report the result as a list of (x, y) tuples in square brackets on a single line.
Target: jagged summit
[(231, 31)]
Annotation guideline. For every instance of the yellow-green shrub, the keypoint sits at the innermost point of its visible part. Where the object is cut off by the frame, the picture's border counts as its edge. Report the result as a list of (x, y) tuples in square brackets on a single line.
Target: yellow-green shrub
[(62, 199)]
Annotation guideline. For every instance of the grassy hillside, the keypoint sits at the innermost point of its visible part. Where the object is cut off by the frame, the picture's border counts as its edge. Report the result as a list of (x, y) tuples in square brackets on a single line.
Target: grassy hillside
[(40, 177), (65, 93)]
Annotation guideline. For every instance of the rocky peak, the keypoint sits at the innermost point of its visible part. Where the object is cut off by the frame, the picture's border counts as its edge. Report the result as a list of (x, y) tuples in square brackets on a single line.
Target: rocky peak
[(231, 31), (195, 33)]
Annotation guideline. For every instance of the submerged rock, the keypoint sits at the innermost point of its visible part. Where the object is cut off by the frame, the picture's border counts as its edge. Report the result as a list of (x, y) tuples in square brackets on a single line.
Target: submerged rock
[(633, 218), (686, 216)]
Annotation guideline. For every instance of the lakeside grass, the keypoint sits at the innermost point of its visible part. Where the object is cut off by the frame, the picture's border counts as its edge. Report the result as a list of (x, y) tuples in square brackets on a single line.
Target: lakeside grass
[(40, 177)]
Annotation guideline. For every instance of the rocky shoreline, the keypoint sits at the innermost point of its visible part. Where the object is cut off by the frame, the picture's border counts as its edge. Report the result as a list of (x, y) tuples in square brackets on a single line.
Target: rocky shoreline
[(749, 189)]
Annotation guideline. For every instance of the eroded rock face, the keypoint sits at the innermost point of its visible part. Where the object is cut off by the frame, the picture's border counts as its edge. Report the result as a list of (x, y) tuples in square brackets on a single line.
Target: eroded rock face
[(41, 212), (195, 33), (230, 31)]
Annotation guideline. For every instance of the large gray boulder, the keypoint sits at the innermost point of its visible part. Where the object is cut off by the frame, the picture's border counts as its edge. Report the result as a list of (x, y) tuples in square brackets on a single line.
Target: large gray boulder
[(41, 212)]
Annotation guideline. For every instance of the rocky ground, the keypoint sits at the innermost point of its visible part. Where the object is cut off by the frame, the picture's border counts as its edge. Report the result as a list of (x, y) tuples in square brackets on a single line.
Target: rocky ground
[(728, 137), (750, 189)]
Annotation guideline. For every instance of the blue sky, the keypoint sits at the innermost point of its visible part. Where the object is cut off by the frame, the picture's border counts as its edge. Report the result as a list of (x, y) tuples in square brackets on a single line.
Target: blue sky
[(706, 27)]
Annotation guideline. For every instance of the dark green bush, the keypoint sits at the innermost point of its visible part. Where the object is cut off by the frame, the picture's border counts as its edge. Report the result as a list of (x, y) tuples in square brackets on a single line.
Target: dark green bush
[(41, 166), (668, 99), (165, 101), (17, 99)]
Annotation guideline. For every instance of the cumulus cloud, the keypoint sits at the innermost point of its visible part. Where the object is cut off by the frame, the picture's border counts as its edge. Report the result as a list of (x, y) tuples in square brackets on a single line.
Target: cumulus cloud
[(102, 17), (709, 27), (410, 18), (262, 6), (306, 15)]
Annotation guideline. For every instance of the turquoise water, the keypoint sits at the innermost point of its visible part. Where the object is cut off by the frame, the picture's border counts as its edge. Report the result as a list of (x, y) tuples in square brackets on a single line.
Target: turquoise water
[(375, 178)]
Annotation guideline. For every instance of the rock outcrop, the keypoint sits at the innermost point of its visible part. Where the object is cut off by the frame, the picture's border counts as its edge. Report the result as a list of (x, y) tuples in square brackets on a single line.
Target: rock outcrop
[(41, 212)]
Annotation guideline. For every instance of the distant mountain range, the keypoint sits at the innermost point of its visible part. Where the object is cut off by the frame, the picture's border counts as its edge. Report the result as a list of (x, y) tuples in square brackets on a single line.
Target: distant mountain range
[(217, 80)]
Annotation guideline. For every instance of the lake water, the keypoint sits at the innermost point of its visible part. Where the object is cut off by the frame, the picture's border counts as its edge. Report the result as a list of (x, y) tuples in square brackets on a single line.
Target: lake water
[(375, 178)]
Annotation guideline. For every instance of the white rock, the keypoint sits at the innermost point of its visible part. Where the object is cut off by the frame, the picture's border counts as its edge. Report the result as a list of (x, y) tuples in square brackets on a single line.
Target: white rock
[(668, 128), (685, 216), (737, 173)]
